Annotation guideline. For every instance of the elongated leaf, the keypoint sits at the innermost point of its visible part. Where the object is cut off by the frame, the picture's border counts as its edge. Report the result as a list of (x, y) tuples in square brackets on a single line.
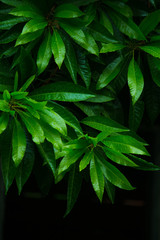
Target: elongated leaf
[(28, 37), (33, 127), (58, 48), (27, 10), (154, 65), (70, 60), (68, 117), (153, 50), (7, 164), (118, 157), (90, 44), (113, 175), (44, 53), (135, 115), (25, 168), (111, 47), (9, 36), (54, 120), (105, 21), (143, 164), (127, 26), (27, 84), (74, 187), (34, 25), (125, 144), (109, 73), (47, 152), (67, 11), (8, 24), (86, 160), (69, 159), (62, 91), (104, 124), (4, 106), (149, 23), (135, 80), (110, 188), (4, 118), (18, 143), (97, 178)]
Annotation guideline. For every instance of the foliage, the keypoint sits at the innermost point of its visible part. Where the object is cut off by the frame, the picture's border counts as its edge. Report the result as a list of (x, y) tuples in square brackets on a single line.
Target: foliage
[(63, 67)]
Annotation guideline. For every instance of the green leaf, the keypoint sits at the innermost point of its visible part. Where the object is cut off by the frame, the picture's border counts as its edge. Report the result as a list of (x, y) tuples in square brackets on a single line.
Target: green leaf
[(7, 164), (19, 95), (67, 11), (9, 23), (90, 44), (25, 168), (52, 135), (4, 106), (120, 7), (127, 26), (18, 143), (27, 83), (62, 91), (69, 159), (58, 48), (113, 175), (44, 53), (47, 152), (54, 120), (86, 160), (6, 95), (16, 81), (97, 178), (143, 164), (109, 73), (111, 47), (118, 157), (68, 117), (28, 37), (33, 127), (27, 10), (125, 144), (71, 61), (135, 115), (110, 188), (154, 65), (105, 21), (135, 80), (34, 25), (74, 187), (84, 68), (153, 50), (150, 22), (104, 124), (4, 119)]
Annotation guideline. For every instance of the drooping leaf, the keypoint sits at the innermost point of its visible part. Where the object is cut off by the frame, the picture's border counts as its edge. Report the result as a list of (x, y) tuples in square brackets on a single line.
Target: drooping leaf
[(149, 23), (154, 65), (25, 168), (125, 144), (135, 115), (104, 124), (135, 80), (152, 49), (4, 119), (74, 187), (97, 177), (28, 37), (110, 188), (67, 11), (86, 160), (18, 143), (62, 91), (9, 23), (58, 48), (104, 20), (47, 152), (44, 53), (109, 73)]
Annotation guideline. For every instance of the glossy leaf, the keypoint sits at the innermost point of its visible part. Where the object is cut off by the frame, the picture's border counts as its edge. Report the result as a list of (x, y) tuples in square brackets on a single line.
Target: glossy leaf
[(110, 188), (104, 124), (62, 91), (34, 25), (104, 20), (27, 84), (135, 115), (143, 164), (44, 53), (125, 144), (25, 168), (27, 10), (86, 160), (28, 37), (9, 23), (58, 48), (74, 187), (4, 119), (97, 178), (153, 50), (135, 80), (67, 11), (18, 143), (154, 65), (109, 73), (111, 47)]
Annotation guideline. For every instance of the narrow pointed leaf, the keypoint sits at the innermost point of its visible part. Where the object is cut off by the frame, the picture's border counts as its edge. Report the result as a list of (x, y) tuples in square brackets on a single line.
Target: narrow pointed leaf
[(44, 53), (27, 84), (4, 119), (153, 50), (67, 11), (97, 178), (34, 25), (86, 160), (27, 11), (154, 65), (18, 143), (135, 80), (28, 37), (9, 23), (135, 115), (111, 47), (110, 188), (58, 48)]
